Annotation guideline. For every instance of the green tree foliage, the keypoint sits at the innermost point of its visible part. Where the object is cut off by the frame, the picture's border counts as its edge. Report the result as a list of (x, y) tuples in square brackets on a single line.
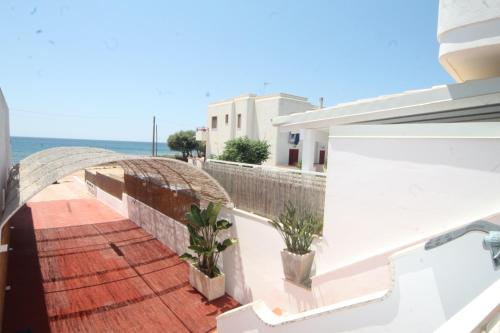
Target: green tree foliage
[(203, 229), (297, 228), (184, 142), (201, 148), (245, 150)]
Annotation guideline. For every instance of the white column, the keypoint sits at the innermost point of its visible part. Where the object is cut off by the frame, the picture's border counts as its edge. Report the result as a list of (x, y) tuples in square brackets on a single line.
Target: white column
[(308, 138)]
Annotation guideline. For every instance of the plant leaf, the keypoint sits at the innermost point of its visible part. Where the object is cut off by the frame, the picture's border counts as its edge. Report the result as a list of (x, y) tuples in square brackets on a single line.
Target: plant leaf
[(189, 257), (223, 224), (195, 216)]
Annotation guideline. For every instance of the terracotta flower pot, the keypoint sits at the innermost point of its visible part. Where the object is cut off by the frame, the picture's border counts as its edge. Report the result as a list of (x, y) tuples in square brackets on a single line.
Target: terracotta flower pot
[(297, 267), (211, 288)]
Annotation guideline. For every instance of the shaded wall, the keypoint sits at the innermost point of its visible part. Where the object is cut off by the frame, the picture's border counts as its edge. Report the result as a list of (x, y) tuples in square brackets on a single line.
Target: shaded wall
[(5, 158), (173, 203), (5, 161)]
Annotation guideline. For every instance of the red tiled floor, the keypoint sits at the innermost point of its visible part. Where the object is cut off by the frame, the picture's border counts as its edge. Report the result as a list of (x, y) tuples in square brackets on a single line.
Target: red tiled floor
[(81, 300), (99, 276), (148, 256), (196, 313), (150, 315), (64, 213), (169, 278)]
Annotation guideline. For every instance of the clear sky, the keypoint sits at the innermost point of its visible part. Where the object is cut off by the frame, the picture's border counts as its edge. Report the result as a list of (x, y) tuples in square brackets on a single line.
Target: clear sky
[(101, 69)]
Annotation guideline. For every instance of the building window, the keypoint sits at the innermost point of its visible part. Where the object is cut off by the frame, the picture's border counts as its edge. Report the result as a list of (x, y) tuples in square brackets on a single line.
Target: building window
[(214, 122), (239, 120), (227, 119)]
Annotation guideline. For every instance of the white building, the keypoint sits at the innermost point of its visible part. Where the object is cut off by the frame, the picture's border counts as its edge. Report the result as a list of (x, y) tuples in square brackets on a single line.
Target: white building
[(250, 115), (403, 169)]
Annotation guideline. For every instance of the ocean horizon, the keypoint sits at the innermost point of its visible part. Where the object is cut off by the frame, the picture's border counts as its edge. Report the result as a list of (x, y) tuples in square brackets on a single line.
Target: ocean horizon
[(22, 146)]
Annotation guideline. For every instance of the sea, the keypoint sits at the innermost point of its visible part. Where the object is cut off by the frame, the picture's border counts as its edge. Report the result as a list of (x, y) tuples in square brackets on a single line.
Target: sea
[(22, 147)]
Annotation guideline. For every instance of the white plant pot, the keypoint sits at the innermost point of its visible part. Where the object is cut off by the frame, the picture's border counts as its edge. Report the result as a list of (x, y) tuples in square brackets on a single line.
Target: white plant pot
[(297, 267), (211, 288)]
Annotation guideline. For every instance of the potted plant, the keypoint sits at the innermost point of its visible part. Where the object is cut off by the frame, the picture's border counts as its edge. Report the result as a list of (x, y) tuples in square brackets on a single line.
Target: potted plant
[(297, 228), (203, 228)]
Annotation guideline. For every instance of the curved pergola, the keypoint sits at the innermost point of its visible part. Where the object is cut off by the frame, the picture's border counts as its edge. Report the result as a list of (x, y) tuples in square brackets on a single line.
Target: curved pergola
[(39, 170)]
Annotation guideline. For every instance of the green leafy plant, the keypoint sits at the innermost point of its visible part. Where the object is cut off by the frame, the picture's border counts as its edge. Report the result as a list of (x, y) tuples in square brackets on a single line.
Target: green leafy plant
[(203, 229), (245, 150), (185, 142), (297, 228)]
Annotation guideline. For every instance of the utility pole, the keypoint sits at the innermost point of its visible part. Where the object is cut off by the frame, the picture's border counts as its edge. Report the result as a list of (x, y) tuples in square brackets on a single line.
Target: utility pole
[(156, 144), (153, 142)]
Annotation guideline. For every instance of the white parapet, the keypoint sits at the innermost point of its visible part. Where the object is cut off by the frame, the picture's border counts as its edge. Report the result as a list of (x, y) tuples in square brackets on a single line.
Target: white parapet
[(428, 288), (469, 38)]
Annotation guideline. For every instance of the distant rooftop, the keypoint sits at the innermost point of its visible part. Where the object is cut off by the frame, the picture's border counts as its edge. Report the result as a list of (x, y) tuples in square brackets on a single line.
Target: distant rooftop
[(267, 96), (437, 99)]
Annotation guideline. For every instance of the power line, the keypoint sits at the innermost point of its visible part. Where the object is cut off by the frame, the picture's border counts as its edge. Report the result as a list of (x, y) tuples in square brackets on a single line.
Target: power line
[(71, 115)]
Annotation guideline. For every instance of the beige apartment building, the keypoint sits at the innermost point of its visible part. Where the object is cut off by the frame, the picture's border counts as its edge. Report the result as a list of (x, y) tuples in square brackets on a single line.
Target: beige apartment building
[(250, 115)]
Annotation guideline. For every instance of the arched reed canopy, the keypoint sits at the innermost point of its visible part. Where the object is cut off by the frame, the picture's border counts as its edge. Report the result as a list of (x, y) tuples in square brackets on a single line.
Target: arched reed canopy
[(43, 168), (177, 175)]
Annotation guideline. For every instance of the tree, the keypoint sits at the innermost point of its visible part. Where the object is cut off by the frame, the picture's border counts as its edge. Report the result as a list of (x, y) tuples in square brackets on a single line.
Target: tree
[(201, 148), (245, 150), (184, 142), (203, 228)]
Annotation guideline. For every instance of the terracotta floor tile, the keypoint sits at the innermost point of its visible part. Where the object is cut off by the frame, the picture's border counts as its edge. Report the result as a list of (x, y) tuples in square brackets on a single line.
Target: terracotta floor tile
[(89, 299), (167, 279), (149, 256), (148, 316), (196, 313)]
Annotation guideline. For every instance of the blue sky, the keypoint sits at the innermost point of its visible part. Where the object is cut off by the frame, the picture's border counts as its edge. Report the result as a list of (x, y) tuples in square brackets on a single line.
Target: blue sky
[(102, 69)]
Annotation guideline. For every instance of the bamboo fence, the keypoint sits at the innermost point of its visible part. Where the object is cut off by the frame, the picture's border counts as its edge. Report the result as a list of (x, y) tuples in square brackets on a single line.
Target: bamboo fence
[(265, 190)]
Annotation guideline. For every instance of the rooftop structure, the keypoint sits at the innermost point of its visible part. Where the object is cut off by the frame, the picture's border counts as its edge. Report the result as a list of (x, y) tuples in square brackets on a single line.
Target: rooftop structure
[(98, 272), (41, 169), (411, 213), (469, 38), (250, 115)]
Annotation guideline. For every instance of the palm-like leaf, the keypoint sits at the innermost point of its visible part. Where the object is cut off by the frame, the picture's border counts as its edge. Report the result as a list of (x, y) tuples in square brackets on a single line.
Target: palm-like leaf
[(203, 229), (297, 228)]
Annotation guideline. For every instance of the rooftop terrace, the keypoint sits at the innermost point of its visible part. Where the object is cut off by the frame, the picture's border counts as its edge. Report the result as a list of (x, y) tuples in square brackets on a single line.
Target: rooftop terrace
[(76, 265)]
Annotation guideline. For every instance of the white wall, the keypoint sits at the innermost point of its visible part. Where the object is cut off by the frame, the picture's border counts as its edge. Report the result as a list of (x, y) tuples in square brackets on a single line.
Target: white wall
[(253, 266), (469, 37), (119, 205), (387, 193), (169, 231), (5, 157), (429, 288), (217, 137)]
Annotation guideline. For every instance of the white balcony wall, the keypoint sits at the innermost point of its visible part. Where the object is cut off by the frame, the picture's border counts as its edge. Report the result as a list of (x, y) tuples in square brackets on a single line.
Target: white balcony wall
[(388, 190), (469, 37), (428, 287)]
